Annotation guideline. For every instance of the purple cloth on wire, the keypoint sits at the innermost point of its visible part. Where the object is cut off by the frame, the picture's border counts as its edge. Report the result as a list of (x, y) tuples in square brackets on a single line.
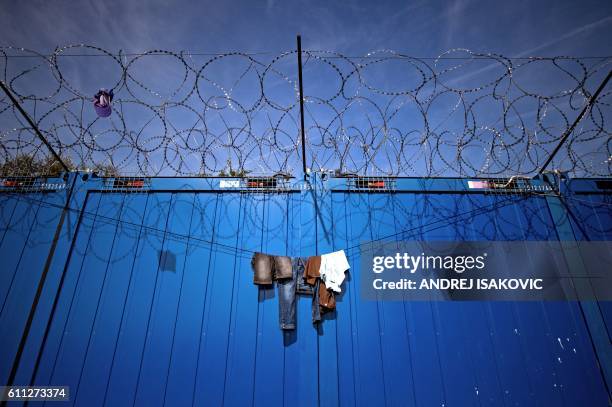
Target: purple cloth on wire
[(102, 102)]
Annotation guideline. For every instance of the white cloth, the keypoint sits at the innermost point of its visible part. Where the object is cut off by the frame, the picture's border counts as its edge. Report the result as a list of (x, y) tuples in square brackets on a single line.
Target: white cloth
[(333, 267)]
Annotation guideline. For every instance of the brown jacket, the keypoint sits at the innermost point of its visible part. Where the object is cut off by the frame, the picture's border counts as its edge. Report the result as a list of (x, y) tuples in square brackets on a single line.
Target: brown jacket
[(311, 273), (327, 300)]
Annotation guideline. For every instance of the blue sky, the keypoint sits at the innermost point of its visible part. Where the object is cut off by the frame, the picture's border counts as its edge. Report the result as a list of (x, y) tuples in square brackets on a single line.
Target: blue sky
[(515, 28), (419, 29)]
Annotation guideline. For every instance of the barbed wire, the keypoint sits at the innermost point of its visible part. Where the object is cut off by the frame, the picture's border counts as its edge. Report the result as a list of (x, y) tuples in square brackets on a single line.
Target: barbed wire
[(384, 113)]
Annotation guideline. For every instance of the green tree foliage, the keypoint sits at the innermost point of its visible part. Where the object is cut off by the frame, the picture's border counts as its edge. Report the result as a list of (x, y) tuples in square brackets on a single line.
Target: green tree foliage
[(230, 172), (106, 170), (27, 165)]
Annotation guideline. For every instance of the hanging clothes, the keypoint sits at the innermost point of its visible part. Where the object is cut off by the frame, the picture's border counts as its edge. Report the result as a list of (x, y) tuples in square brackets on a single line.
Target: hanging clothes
[(318, 276), (327, 298), (287, 299), (313, 264), (299, 264), (267, 268), (262, 269), (332, 269)]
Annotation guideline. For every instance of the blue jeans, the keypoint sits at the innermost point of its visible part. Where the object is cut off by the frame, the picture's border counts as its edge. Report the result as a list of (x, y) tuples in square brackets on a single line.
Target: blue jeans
[(287, 290), (316, 310), (299, 264), (307, 289), (286, 299)]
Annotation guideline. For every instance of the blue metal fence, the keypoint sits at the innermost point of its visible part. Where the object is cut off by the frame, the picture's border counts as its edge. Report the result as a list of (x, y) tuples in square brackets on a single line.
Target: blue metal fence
[(120, 327)]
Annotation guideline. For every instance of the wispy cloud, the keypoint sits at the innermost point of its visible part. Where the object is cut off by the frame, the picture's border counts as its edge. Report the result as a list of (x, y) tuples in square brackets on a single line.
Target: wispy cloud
[(575, 32)]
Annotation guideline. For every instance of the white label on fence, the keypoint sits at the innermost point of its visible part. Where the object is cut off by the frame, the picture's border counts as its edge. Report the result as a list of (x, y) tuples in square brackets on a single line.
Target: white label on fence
[(478, 184), (229, 184)]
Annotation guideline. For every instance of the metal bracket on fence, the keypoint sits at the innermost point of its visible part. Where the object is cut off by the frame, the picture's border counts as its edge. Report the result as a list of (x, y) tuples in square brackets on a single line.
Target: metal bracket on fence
[(30, 184), (127, 184), (265, 185), (379, 184), (512, 185)]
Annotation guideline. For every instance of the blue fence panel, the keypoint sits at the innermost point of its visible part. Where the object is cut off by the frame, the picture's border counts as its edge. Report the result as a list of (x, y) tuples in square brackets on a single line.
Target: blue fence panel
[(28, 236), (101, 347), (150, 299), (131, 343), (180, 386), (243, 325)]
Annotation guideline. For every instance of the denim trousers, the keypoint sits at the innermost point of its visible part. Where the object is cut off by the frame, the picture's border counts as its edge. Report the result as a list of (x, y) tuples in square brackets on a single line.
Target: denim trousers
[(288, 289), (316, 310), (286, 298), (299, 263)]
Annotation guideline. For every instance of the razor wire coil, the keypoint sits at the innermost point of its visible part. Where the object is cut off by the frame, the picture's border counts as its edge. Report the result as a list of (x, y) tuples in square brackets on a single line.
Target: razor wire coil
[(177, 113)]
